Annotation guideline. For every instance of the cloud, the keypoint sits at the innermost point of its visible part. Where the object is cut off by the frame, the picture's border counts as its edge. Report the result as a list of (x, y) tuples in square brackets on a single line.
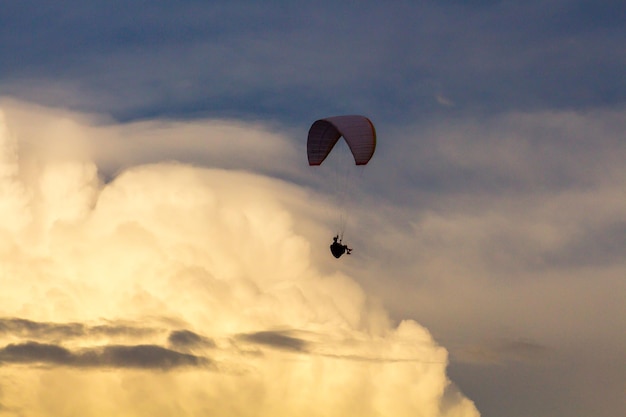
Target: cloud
[(47, 331), (187, 270), (483, 235), (188, 339), (146, 356), (276, 339), (35, 352), (140, 356), (503, 351), (506, 228), (31, 328), (96, 139)]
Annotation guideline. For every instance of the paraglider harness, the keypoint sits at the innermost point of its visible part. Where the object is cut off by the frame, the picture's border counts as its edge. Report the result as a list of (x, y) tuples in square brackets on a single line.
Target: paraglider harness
[(338, 249)]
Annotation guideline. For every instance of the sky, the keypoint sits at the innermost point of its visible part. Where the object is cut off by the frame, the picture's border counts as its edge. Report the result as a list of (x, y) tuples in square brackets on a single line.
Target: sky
[(164, 243)]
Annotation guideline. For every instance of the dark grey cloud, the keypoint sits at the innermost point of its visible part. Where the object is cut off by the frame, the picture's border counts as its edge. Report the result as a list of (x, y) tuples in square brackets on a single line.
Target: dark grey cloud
[(29, 328), (41, 344), (58, 331), (33, 352), (113, 356), (188, 339), (144, 356), (276, 339)]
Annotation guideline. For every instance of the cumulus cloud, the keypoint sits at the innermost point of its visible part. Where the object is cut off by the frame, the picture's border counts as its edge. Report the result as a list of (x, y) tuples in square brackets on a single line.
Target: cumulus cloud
[(204, 274)]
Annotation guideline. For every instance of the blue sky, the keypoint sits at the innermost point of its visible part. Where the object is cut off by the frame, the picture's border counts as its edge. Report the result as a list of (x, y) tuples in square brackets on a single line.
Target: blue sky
[(493, 213)]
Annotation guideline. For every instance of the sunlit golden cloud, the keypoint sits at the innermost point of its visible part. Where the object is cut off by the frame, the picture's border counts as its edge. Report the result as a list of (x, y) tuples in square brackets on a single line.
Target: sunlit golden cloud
[(172, 289)]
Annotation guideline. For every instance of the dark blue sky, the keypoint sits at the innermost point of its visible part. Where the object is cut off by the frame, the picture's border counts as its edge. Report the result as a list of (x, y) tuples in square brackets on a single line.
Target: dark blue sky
[(289, 60)]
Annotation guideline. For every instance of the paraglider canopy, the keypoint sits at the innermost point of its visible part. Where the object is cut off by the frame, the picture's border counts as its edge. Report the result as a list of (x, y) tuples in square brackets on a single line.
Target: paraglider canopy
[(358, 132)]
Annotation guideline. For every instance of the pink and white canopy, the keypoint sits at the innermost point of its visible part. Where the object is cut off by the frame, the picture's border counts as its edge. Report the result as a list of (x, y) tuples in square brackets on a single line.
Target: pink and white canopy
[(358, 132)]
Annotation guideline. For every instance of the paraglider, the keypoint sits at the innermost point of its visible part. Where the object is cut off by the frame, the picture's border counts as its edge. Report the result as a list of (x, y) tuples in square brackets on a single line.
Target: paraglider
[(338, 249), (360, 136)]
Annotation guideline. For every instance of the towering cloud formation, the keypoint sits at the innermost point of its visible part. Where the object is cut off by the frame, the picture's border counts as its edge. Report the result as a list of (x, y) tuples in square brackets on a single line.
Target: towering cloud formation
[(171, 289)]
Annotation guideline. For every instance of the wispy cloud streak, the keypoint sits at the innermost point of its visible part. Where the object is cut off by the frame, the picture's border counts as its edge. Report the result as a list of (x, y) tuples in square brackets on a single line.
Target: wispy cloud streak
[(113, 356)]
